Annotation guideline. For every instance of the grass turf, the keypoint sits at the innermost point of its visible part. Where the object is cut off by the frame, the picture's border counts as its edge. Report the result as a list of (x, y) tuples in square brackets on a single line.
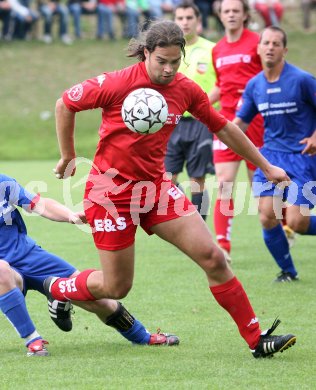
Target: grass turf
[(172, 293), (169, 291)]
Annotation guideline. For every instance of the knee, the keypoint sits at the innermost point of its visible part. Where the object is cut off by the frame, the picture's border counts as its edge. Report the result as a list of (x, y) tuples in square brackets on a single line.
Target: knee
[(267, 222), (225, 188), (298, 225), (268, 218), (214, 261), (6, 273), (117, 291)]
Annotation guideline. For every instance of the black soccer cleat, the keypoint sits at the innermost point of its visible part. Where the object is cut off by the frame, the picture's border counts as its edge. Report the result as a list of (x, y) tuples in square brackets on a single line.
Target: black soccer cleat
[(268, 345), (59, 311), (286, 277)]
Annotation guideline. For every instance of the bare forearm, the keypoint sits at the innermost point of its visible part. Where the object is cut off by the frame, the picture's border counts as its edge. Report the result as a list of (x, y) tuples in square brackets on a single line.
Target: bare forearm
[(53, 210), (65, 125)]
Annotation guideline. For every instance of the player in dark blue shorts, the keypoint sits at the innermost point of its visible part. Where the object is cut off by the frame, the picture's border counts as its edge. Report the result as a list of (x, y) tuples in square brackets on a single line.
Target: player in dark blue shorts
[(24, 266), (191, 142), (286, 98)]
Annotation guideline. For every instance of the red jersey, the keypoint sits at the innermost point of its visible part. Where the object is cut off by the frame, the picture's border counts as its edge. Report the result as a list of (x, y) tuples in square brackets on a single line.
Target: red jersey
[(235, 63), (136, 156)]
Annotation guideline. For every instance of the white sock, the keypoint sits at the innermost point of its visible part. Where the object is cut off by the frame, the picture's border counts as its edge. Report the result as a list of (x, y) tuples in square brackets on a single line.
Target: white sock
[(32, 336)]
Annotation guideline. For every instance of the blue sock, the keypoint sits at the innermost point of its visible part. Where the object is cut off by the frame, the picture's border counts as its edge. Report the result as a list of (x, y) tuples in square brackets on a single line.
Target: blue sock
[(311, 231), (278, 246), (137, 334), (13, 306)]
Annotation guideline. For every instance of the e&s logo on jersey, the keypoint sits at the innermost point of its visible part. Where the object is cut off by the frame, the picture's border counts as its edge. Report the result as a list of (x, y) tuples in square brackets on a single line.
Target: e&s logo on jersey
[(75, 92)]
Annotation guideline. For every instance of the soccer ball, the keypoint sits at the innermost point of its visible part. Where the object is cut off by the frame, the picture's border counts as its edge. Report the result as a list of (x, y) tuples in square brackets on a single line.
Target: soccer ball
[(144, 111)]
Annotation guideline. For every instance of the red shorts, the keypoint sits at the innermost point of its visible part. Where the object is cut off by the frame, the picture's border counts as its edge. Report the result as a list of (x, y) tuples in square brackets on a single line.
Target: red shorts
[(222, 154), (114, 207)]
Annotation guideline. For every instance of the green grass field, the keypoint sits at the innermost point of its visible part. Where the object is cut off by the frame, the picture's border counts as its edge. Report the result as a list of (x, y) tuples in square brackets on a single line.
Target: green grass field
[(169, 291)]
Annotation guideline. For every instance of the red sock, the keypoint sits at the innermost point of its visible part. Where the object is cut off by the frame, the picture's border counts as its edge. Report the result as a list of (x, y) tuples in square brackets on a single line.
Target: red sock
[(223, 219), (233, 298), (75, 288)]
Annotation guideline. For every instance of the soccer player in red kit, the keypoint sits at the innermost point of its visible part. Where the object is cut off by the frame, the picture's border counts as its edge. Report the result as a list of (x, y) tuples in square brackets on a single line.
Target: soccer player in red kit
[(235, 61), (127, 186)]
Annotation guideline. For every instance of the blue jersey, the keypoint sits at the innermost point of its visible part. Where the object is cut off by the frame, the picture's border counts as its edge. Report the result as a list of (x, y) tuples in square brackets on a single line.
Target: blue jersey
[(14, 242), (288, 107), (33, 263)]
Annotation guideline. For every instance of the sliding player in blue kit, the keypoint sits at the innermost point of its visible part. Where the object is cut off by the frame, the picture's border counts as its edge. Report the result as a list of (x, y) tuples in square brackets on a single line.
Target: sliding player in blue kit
[(24, 266), (286, 98)]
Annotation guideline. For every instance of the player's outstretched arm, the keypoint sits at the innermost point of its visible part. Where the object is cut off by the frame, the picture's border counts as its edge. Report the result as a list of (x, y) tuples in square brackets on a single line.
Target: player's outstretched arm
[(65, 128), (236, 140), (55, 211)]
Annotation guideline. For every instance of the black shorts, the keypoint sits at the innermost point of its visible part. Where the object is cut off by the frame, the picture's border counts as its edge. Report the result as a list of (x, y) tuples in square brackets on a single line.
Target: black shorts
[(190, 142)]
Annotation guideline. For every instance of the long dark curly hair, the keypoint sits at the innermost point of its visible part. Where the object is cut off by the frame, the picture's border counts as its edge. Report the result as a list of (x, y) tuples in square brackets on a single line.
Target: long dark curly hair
[(163, 33)]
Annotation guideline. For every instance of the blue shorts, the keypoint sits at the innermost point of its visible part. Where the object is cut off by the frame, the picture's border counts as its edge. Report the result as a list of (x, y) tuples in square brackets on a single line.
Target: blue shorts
[(299, 168), (313, 167), (190, 143), (37, 265)]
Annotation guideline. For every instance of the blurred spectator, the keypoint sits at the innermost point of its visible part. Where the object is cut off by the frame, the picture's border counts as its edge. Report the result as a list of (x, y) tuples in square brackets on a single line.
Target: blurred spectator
[(24, 17), (209, 8), (270, 10), (134, 10), (106, 10), (5, 15), (156, 10), (78, 8), (206, 9), (307, 6), (48, 9)]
